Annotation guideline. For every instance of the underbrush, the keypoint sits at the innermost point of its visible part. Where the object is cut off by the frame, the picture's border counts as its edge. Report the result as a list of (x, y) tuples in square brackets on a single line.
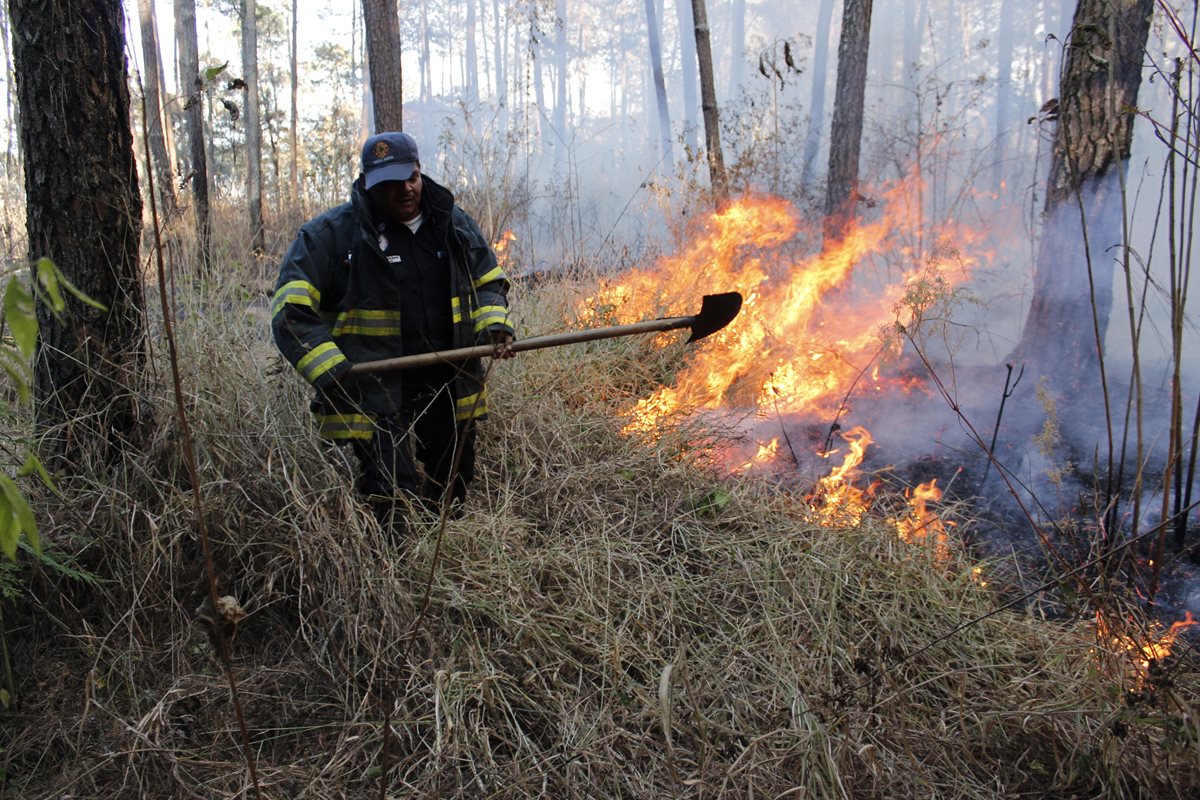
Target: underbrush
[(609, 618)]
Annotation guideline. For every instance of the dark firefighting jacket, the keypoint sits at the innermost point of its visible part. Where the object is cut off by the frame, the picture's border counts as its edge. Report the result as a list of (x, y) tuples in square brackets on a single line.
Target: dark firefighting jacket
[(337, 302)]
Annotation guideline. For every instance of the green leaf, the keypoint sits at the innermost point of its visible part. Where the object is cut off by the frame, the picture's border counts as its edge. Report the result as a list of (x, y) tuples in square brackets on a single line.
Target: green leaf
[(713, 502), (8, 528), (19, 371), (33, 466), (6, 702), (23, 514), (70, 287), (49, 278), (212, 72), (21, 316)]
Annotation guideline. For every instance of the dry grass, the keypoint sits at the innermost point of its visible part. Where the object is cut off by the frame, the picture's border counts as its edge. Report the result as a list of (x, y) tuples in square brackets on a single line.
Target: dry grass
[(595, 628)]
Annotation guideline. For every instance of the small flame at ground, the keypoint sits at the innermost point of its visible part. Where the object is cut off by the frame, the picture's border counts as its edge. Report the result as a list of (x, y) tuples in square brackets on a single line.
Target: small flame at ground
[(836, 501), (500, 247), (922, 524), (1145, 651)]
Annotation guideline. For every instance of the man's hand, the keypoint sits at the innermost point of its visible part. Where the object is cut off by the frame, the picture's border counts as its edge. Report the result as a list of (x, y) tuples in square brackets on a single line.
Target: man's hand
[(503, 341)]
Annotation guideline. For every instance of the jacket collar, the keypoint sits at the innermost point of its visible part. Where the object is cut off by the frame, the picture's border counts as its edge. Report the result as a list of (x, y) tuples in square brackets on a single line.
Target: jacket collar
[(437, 202)]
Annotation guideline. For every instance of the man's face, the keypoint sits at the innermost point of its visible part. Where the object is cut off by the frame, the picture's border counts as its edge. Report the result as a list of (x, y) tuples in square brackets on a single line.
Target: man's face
[(398, 201)]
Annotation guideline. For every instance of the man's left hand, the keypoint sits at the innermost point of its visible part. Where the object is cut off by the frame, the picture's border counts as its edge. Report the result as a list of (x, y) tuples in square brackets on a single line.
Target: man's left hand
[(503, 341)]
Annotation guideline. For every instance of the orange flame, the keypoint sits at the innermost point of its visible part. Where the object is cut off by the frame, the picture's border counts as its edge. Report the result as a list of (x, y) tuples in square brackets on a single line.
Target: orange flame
[(500, 247), (1145, 651), (836, 501), (803, 337), (922, 524)]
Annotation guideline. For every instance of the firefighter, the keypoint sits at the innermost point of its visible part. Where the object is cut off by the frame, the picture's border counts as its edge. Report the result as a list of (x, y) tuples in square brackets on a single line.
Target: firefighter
[(398, 270)]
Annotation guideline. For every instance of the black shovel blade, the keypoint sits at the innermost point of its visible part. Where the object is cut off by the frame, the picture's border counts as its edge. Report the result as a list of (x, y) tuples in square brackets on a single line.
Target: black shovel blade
[(716, 311)]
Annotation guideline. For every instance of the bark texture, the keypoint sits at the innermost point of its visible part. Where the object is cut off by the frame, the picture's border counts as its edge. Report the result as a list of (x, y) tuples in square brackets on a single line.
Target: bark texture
[(708, 105), (191, 86), (382, 22), (1072, 292), (84, 213), (845, 133)]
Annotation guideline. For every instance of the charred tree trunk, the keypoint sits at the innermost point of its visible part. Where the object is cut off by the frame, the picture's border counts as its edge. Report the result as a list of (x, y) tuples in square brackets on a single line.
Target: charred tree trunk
[(1063, 337), (845, 135), (382, 21), (83, 213), (708, 104), (191, 86)]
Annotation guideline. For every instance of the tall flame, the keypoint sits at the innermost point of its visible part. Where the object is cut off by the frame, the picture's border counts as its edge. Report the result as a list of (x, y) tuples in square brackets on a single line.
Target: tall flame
[(804, 334), (836, 501)]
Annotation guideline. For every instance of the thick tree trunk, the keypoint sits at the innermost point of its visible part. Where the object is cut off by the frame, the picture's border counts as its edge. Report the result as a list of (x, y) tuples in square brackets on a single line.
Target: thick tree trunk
[(382, 21), (1064, 333), (253, 124), (845, 135), (191, 86), (660, 87), (816, 126), (83, 213), (708, 104), (158, 122)]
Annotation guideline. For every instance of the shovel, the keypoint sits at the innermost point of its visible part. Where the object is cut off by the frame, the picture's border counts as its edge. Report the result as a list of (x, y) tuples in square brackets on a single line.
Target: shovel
[(716, 311)]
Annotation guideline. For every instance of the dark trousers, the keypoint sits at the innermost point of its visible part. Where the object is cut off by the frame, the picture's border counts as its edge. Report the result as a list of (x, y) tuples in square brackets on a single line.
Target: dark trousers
[(412, 452)]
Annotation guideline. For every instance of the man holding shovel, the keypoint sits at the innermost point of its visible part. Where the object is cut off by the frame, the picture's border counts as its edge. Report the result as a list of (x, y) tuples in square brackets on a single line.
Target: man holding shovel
[(399, 270)]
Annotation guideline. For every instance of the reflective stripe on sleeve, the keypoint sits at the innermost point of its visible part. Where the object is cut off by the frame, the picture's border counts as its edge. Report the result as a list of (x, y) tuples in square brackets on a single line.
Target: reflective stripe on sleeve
[(345, 426), (302, 293), (494, 275), (487, 316), (367, 322), (472, 406), (319, 360)]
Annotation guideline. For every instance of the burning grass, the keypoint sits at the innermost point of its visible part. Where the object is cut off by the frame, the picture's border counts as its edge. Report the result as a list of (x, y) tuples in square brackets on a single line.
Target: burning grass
[(610, 618)]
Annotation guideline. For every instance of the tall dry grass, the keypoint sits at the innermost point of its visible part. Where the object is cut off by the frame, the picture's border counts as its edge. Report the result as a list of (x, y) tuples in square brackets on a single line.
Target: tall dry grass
[(597, 626)]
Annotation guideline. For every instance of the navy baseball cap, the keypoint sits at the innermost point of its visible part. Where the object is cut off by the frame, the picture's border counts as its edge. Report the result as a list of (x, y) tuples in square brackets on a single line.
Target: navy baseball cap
[(388, 156)]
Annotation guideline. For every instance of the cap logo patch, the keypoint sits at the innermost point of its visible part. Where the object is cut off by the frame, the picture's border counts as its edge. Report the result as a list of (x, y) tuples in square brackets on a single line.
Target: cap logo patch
[(380, 150)]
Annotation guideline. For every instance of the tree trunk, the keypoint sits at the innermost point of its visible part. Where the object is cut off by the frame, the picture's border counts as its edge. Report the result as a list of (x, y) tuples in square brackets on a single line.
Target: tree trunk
[(499, 58), (423, 57), (845, 134), (660, 87), (158, 123), (737, 44), (472, 54), (560, 100), (191, 85), (253, 123), (708, 104), (1064, 333), (1004, 54), (382, 21), (687, 69), (83, 212), (293, 130), (816, 126), (914, 35)]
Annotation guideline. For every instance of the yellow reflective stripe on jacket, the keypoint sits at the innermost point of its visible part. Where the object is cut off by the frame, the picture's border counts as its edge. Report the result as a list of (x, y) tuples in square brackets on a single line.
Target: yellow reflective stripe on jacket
[(302, 293), (319, 360), (487, 316), (494, 275), (346, 426), (367, 322), (455, 310), (471, 407)]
